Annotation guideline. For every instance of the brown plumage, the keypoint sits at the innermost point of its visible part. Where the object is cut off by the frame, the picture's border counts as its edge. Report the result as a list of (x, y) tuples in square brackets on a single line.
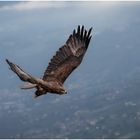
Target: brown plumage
[(66, 59)]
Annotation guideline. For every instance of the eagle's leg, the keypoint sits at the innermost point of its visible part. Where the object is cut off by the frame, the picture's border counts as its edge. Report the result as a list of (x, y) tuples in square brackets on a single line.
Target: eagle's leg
[(40, 91)]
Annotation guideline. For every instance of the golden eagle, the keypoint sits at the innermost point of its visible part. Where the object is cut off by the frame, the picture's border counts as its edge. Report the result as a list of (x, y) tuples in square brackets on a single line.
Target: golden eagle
[(66, 59)]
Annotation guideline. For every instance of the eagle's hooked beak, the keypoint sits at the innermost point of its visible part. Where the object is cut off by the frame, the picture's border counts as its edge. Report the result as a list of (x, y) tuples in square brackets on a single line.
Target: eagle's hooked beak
[(65, 92)]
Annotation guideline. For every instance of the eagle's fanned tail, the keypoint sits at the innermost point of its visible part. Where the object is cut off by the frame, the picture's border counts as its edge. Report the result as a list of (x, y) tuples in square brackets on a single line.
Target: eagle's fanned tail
[(28, 86)]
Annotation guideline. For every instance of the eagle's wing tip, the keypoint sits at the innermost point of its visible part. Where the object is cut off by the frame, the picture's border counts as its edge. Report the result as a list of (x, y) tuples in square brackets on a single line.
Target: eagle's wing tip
[(7, 60)]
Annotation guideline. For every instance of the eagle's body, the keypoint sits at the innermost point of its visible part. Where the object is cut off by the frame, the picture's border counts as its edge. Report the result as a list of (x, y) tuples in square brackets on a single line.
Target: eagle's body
[(66, 59)]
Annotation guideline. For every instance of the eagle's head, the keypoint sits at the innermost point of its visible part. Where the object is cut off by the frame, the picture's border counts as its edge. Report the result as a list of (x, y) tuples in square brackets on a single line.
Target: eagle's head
[(59, 88)]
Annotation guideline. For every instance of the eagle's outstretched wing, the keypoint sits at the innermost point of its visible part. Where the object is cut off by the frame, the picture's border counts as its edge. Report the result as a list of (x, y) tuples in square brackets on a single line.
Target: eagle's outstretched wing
[(21, 74), (69, 56)]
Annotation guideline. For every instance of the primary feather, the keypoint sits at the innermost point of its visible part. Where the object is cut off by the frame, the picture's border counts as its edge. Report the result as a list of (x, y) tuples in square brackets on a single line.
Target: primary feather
[(69, 56)]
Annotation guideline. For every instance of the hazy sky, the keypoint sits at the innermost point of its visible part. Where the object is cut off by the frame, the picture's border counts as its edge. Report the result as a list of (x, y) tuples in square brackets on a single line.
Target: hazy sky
[(102, 91)]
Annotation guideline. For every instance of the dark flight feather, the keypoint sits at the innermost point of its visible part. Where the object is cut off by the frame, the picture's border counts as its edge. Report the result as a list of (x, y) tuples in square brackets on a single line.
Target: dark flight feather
[(69, 56)]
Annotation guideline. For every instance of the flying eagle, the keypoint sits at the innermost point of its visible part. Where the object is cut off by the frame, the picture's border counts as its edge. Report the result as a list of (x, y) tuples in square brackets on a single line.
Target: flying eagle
[(66, 59)]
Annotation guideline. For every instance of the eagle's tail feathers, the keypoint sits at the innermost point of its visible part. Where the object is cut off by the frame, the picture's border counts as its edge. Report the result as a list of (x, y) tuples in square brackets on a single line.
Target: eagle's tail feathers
[(28, 86)]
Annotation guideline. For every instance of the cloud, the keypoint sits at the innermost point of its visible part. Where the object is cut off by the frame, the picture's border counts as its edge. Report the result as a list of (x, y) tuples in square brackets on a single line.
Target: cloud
[(31, 5)]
